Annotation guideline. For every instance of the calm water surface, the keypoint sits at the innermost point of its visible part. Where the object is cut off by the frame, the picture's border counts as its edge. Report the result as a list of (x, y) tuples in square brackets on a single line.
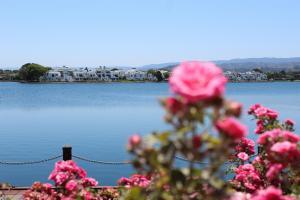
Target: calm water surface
[(36, 120)]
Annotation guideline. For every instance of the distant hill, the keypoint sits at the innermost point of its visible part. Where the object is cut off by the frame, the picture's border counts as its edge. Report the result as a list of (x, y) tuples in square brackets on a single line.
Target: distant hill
[(159, 66), (244, 64)]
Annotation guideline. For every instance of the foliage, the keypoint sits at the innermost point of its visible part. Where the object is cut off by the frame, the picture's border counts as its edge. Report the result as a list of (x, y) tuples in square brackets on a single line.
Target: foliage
[(283, 75), (9, 75), (157, 74), (32, 72)]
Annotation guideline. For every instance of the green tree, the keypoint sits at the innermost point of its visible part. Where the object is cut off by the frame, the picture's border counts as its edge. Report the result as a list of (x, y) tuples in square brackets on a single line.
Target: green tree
[(166, 75), (159, 76), (156, 73), (258, 70), (32, 72)]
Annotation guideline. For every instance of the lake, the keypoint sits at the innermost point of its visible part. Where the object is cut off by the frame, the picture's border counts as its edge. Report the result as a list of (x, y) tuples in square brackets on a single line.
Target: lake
[(96, 119)]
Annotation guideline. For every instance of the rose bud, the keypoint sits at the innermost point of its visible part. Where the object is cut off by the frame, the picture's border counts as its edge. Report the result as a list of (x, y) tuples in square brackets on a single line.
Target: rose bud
[(234, 108), (196, 141), (134, 141), (173, 105)]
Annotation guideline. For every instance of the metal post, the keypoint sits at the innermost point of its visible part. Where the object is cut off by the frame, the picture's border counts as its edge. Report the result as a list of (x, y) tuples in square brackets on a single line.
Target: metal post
[(259, 149), (67, 152)]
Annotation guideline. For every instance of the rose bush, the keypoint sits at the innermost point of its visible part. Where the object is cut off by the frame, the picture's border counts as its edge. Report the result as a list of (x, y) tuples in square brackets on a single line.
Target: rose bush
[(277, 164), (205, 129), (70, 183)]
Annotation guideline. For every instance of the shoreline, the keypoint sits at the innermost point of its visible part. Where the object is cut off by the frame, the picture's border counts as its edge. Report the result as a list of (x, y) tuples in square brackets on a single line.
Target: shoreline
[(108, 82)]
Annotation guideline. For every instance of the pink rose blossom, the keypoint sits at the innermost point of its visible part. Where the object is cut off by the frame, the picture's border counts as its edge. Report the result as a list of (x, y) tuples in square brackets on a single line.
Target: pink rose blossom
[(253, 108), (284, 147), (265, 112), (259, 129), (231, 127), (257, 160), (271, 193), (289, 136), (243, 156), (47, 185), (240, 196), (247, 176), (197, 81), (135, 180), (89, 181), (61, 177), (273, 171), (289, 122), (87, 195), (245, 145), (71, 185), (269, 136)]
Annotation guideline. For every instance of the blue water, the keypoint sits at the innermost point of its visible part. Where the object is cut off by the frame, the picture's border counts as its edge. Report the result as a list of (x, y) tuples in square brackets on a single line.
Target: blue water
[(36, 120)]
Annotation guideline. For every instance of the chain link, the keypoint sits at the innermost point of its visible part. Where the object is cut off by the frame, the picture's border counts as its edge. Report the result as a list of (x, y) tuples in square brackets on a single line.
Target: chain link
[(187, 160), (206, 163), (30, 162), (102, 162)]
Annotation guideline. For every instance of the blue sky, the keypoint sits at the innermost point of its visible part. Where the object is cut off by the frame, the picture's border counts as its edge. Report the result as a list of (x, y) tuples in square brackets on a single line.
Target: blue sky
[(137, 32)]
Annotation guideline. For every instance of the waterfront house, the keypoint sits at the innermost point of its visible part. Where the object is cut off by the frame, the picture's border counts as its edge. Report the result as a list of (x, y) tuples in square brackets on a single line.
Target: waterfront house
[(135, 75), (52, 75)]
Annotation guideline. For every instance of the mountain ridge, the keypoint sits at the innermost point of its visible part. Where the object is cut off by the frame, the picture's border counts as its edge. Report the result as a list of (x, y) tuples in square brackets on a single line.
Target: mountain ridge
[(242, 64)]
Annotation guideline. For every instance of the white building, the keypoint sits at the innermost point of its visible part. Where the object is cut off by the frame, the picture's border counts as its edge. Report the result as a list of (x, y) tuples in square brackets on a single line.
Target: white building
[(135, 75), (52, 75)]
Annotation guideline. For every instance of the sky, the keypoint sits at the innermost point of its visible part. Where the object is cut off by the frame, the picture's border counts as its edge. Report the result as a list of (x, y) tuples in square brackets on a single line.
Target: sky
[(90, 33)]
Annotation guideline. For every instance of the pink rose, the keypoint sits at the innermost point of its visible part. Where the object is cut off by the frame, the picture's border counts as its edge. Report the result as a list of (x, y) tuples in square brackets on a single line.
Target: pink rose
[(87, 195), (257, 160), (259, 129), (273, 171), (135, 180), (231, 127), (253, 108), (270, 193), (289, 136), (268, 136), (243, 156), (197, 81), (285, 149), (71, 185), (90, 181), (261, 112), (47, 186), (247, 176), (60, 178), (240, 196), (289, 122)]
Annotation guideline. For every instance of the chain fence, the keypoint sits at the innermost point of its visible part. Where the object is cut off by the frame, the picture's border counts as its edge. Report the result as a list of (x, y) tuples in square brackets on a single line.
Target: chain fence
[(102, 162), (10, 192), (126, 162), (29, 162)]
